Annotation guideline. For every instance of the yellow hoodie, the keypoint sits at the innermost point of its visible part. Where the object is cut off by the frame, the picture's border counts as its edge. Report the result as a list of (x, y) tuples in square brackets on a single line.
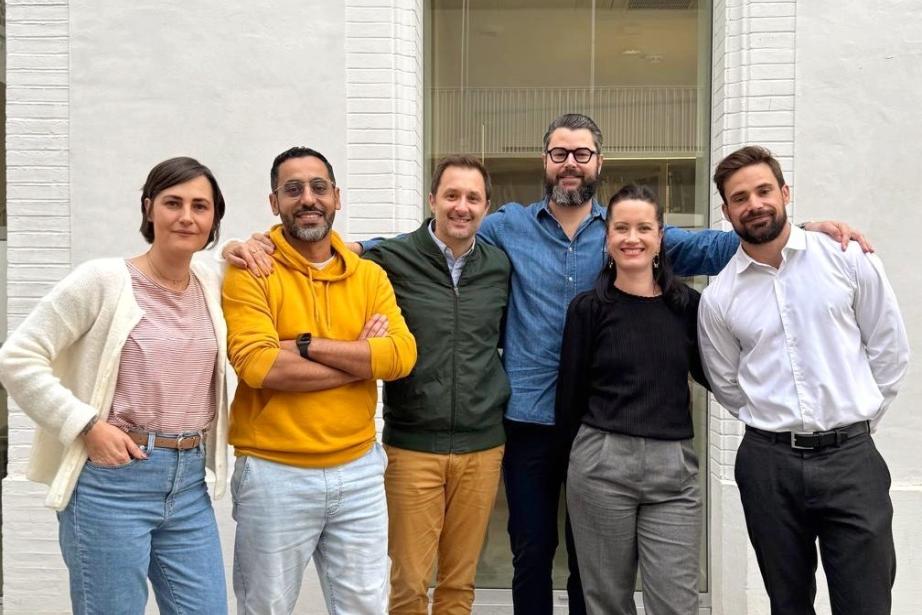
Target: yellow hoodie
[(321, 428)]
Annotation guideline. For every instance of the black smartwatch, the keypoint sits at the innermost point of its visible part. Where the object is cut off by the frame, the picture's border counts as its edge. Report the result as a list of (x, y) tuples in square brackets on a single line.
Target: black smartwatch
[(304, 342)]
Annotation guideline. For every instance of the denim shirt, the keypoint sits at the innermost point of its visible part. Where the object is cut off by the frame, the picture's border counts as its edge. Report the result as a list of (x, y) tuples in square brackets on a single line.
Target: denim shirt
[(548, 270)]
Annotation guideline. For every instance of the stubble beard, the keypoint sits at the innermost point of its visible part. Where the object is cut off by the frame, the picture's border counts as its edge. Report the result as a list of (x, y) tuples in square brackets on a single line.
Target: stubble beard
[(767, 233)]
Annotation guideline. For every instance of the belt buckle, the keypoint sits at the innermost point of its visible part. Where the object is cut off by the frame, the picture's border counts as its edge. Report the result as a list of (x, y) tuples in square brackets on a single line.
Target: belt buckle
[(794, 444), (179, 440)]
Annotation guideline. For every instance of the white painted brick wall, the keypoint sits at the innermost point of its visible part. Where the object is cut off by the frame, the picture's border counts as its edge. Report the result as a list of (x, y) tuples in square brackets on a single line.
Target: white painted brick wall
[(38, 218), (752, 103), (384, 94)]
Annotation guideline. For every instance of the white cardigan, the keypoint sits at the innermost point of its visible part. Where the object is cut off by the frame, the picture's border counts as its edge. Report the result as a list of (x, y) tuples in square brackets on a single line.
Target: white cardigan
[(61, 365)]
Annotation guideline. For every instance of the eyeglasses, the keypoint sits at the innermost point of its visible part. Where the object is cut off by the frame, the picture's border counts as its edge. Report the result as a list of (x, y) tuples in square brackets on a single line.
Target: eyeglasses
[(581, 155), (294, 189)]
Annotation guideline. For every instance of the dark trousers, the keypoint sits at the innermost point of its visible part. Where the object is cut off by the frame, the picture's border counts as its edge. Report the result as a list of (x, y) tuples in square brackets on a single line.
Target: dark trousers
[(534, 470), (839, 495)]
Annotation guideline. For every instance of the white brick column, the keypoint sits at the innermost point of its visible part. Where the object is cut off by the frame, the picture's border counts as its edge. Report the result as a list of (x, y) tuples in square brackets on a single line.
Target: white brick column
[(38, 219), (752, 103), (384, 116)]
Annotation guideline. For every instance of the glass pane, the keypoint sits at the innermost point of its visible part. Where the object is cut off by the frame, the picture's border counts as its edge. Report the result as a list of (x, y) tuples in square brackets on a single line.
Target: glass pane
[(497, 72)]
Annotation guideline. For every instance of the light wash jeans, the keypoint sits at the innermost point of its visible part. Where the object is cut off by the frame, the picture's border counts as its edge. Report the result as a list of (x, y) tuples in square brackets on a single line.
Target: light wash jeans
[(146, 519), (286, 515)]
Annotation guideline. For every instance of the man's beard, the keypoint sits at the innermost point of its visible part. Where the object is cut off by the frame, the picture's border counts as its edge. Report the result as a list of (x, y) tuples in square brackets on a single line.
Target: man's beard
[(571, 198), (309, 234), (765, 233)]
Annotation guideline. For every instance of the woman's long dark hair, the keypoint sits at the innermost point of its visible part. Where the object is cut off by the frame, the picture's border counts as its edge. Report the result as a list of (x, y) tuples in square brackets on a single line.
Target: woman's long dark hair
[(675, 293)]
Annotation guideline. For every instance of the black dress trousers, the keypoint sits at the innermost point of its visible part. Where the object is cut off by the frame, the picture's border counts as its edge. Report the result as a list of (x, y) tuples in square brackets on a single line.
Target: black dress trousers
[(839, 495)]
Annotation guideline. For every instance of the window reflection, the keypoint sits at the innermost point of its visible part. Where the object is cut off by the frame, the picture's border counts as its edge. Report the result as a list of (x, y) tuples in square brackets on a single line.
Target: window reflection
[(497, 71)]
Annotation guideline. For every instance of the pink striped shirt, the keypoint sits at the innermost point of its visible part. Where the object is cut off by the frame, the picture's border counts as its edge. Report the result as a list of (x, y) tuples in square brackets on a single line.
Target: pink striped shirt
[(166, 375)]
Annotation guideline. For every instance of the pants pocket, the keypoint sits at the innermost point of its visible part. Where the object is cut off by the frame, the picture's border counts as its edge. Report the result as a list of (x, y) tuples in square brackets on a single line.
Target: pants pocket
[(689, 459), (100, 466), (382, 455), (238, 480)]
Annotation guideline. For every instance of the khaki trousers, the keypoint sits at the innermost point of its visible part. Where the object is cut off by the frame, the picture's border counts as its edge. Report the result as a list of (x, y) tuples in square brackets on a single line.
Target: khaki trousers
[(438, 509)]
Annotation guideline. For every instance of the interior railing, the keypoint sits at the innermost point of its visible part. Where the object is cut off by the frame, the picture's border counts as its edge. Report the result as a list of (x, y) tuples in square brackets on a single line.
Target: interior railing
[(642, 121)]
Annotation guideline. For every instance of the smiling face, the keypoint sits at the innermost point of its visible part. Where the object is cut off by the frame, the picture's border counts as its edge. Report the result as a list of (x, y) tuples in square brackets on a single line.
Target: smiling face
[(755, 203), (634, 235), (309, 215), (182, 216), (571, 183), (459, 205)]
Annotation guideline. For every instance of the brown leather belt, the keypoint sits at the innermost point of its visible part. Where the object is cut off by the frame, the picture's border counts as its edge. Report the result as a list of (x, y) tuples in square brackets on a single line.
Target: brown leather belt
[(182, 443)]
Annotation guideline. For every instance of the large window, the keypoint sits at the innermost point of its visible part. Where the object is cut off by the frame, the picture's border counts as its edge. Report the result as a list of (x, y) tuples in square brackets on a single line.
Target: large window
[(497, 71)]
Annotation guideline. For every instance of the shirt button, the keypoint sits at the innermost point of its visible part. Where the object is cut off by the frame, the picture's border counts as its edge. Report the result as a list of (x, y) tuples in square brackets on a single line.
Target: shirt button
[(570, 249), (569, 278)]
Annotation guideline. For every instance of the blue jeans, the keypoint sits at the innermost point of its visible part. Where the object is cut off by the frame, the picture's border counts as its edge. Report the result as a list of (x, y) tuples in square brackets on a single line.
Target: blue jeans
[(146, 519), (287, 515)]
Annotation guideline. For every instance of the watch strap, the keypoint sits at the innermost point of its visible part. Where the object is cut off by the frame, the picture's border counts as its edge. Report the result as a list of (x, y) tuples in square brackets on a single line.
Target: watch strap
[(303, 342)]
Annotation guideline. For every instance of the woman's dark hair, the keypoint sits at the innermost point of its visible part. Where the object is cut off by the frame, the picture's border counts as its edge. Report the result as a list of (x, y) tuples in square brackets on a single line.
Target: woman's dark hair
[(675, 293), (178, 171)]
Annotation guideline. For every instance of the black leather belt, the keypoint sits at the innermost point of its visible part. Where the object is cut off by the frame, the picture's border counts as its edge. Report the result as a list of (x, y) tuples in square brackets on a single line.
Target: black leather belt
[(814, 440)]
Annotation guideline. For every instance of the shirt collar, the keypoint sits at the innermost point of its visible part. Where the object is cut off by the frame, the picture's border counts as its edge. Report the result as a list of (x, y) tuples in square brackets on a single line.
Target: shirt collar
[(597, 210), (443, 248), (797, 241)]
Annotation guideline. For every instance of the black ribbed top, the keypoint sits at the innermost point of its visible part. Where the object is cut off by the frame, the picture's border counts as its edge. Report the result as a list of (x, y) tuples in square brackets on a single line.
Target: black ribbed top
[(625, 362)]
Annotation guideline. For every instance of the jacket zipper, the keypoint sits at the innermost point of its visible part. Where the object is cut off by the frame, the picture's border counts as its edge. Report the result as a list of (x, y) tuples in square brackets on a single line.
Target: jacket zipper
[(454, 368)]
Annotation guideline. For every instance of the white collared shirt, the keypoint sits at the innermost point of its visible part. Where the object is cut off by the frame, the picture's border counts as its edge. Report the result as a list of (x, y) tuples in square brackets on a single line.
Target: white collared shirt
[(455, 265), (816, 344)]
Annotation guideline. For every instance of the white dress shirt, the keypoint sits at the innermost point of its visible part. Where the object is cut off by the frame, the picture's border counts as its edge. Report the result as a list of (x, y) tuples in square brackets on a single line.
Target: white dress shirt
[(816, 344)]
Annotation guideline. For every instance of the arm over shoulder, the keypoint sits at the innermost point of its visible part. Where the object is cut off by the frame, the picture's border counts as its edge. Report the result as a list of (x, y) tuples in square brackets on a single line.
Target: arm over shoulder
[(703, 252), (490, 228)]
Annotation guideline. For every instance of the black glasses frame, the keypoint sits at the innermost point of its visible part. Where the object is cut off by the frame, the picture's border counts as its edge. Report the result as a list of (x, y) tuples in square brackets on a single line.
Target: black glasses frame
[(581, 155)]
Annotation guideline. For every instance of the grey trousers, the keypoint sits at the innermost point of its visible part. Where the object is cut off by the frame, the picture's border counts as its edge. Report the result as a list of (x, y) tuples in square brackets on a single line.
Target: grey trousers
[(635, 501)]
